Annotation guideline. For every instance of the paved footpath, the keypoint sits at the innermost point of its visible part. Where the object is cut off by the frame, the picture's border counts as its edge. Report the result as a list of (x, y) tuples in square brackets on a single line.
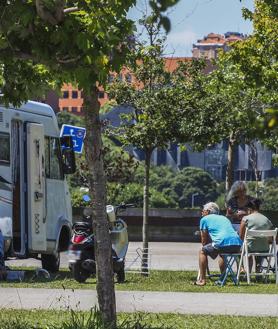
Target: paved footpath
[(152, 302)]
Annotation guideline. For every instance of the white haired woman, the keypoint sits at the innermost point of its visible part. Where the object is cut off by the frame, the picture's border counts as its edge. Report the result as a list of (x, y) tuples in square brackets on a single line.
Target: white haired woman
[(236, 202)]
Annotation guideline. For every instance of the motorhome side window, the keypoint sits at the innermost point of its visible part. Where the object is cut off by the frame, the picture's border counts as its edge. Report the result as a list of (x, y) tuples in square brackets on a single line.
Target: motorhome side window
[(53, 166), (4, 148)]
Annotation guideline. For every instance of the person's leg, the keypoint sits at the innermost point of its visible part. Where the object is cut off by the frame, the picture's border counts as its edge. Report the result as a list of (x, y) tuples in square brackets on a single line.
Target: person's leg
[(207, 250), (203, 264), (221, 264), (250, 261)]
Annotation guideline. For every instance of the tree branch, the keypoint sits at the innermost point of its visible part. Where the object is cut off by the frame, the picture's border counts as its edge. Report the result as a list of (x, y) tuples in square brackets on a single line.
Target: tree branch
[(52, 17), (68, 60), (71, 10)]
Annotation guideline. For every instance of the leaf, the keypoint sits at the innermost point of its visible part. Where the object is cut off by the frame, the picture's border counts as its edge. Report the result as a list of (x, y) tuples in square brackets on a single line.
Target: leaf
[(272, 122), (165, 22)]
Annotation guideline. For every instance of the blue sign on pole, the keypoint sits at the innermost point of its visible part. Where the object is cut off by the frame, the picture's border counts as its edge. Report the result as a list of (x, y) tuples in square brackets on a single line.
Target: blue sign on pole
[(77, 134)]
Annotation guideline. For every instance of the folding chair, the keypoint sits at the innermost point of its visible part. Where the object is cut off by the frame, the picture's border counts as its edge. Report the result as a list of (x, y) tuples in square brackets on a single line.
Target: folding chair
[(271, 254), (230, 260)]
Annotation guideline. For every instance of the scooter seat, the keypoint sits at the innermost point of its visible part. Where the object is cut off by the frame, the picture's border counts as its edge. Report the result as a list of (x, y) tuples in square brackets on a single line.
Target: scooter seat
[(82, 226)]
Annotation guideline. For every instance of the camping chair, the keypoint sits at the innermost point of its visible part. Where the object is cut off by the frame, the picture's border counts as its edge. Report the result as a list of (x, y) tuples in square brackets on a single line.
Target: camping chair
[(231, 263), (272, 254)]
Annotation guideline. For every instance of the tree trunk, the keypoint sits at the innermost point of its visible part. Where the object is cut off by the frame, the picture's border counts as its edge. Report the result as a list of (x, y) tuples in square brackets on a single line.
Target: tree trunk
[(145, 230), (94, 158), (253, 156), (230, 164)]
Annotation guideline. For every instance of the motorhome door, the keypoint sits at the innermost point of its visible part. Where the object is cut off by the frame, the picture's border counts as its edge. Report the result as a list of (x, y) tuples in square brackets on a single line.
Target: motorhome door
[(36, 187)]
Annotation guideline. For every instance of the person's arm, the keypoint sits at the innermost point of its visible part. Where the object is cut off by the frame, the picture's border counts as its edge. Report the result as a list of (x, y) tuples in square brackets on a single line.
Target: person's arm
[(231, 209), (242, 229), (204, 237)]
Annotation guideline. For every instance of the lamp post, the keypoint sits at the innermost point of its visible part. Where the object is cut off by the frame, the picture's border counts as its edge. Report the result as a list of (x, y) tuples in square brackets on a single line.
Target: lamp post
[(193, 199)]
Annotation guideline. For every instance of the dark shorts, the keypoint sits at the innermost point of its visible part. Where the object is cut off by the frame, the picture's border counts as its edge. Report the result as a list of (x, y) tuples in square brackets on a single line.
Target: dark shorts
[(213, 252)]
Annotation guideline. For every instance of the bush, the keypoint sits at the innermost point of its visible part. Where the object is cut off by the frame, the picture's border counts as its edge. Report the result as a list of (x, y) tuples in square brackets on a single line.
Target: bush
[(191, 180), (133, 193), (161, 200), (161, 177), (77, 199), (268, 193)]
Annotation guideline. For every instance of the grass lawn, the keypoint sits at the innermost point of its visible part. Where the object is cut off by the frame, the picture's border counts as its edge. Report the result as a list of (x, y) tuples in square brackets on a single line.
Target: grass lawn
[(181, 281), (12, 319)]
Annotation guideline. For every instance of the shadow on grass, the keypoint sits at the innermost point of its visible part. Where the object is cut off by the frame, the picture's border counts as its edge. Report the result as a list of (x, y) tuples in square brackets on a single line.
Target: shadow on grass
[(58, 279)]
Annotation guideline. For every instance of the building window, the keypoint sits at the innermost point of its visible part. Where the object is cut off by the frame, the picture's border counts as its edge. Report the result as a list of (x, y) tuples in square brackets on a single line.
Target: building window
[(101, 94), (128, 78), (74, 109), (65, 109), (4, 148), (65, 94), (74, 94)]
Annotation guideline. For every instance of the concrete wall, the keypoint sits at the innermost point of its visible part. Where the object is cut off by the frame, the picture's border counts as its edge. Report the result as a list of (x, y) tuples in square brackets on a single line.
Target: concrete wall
[(172, 225)]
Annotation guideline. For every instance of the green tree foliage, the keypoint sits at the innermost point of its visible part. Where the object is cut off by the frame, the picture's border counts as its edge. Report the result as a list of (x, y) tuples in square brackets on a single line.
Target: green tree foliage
[(241, 92), (191, 180), (238, 108), (168, 189), (119, 166), (59, 41), (70, 119), (155, 118), (77, 42), (108, 106), (159, 12), (267, 193), (161, 177), (133, 193), (257, 56)]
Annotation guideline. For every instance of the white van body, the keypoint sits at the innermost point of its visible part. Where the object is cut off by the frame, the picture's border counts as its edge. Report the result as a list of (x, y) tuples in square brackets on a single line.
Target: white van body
[(34, 195)]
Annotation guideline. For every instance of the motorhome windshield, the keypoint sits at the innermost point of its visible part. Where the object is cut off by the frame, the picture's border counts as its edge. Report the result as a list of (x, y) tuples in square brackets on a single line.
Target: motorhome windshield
[(4, 148)]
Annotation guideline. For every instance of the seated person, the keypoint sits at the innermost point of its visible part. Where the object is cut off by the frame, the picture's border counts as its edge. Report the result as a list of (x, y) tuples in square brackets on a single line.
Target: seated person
[(255, 221), (222, 234), (236, 202), (3, 272)]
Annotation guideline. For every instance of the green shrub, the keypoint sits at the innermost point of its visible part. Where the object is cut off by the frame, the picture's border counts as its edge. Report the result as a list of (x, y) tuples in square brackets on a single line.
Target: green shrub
[(161, 200), (133, 193), (77, 198), (191, 180)]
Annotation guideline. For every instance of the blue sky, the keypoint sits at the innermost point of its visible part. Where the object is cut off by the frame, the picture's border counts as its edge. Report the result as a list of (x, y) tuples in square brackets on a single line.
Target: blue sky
[(193, 19)]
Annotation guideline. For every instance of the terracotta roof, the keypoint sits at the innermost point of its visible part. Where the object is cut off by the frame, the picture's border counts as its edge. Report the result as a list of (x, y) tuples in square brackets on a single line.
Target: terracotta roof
[(171, 63)]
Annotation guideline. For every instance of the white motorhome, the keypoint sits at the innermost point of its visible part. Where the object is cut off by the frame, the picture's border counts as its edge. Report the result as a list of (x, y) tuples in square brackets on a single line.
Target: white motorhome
[(35, 205)]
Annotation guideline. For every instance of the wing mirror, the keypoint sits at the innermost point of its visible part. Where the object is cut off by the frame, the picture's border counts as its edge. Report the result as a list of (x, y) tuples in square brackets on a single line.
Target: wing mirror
[(68, 156)]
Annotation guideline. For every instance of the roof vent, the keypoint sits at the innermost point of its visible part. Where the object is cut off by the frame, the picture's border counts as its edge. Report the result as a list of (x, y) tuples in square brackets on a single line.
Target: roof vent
[(1, 116)]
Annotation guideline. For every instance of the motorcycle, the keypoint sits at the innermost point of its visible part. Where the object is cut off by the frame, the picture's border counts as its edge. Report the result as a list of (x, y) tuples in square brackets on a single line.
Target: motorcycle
[(81, 253)]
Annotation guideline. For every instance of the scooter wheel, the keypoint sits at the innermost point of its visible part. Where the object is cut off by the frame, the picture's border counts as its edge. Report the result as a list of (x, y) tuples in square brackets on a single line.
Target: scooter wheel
[(79, 273)]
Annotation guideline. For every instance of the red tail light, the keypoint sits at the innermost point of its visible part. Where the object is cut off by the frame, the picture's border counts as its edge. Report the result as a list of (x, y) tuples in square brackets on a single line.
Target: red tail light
[(78, 238)]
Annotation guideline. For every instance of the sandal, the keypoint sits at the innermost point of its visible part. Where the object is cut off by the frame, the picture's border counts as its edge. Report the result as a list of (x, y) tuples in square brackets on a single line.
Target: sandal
[(199, 283)]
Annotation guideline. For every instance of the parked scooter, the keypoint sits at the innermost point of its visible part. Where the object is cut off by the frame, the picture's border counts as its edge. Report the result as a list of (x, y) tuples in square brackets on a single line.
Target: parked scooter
[(81, 252)]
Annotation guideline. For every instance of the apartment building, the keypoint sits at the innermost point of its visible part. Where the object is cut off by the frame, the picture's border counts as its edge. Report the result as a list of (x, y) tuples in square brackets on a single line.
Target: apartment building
[(71, 99), (210, 45)]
